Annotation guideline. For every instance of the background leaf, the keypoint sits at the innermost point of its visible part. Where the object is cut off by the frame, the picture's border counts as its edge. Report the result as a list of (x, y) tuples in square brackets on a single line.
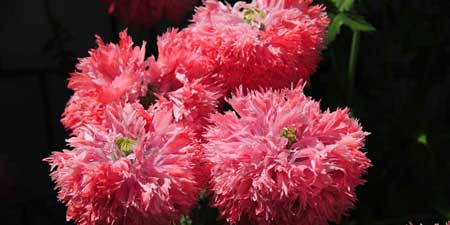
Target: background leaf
[(356, 23), (343, 5)]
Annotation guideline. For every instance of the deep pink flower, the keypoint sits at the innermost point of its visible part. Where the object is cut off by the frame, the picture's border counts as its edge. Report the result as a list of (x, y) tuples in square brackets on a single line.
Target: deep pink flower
[(280, 160), (149, 12), (261, 44), (112, 73), (135, 168)]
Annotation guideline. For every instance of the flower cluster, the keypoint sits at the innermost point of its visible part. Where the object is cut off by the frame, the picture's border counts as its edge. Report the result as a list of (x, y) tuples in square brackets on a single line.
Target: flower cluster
[(222, 108)]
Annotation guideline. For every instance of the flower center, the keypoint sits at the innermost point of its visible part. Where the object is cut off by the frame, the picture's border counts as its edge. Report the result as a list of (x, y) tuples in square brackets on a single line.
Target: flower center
[(289, 133), (254, 17), (125, 145)]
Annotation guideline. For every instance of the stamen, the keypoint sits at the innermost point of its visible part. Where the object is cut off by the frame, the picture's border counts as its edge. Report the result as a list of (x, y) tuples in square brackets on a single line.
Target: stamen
[(125, 145), (253, 17), (290, 134)]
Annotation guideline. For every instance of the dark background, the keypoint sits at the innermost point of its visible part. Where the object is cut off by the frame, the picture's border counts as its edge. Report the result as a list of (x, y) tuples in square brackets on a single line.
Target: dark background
[(401, 91)]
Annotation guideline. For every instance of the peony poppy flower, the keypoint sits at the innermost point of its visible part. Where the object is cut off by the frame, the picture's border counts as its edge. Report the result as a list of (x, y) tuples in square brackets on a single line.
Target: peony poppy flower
[(83, 109), (265, 43), (136, 168), (112, 73), (192, 104), (278, 159), (177, 55)]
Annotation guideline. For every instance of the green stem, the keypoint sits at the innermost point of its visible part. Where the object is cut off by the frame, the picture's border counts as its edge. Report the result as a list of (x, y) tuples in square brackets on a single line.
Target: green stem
[(352, 63)]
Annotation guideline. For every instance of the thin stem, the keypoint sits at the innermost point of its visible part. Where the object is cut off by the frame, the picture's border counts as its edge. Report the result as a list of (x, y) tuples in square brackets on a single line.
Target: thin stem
[(353, 60)]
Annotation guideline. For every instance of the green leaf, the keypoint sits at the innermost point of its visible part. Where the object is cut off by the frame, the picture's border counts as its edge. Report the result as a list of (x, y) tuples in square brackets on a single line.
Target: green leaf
[(343, 5), (333, 29), (422, 139), (356, 23), (185, 220), (202, 194), (337, 3)]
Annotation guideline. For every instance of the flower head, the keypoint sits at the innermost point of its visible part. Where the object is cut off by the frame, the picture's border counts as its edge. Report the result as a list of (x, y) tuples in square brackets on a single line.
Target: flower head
[(83, 109), (135, 168), (192, 103), (279, 160), (265, 43), (177, 54), (112, 73)]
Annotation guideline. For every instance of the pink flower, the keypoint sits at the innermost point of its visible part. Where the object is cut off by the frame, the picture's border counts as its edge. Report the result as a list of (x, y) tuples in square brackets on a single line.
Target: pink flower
[(83, 109), (177, 55), (279, 160), (149, 12), (135, 168), (265, 43), (192, 104), (112, 73)]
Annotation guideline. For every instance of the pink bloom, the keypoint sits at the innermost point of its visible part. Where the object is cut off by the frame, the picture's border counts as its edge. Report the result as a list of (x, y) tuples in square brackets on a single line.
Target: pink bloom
[(261, 44), (192, 103), (135, 168), (280, 160), (112, 73), (176, 55), (83, 109), (149, 12)]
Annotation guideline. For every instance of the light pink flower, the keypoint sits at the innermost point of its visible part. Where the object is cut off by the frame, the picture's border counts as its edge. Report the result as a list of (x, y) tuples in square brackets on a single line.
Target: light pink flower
[(279, 160), (135, 168), (149, 12), (112, 73), (261, 44)]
